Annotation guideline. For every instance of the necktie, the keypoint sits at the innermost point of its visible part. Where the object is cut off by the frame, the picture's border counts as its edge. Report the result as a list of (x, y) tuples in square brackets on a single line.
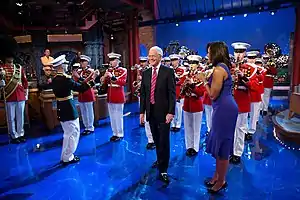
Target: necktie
[(153, 84)]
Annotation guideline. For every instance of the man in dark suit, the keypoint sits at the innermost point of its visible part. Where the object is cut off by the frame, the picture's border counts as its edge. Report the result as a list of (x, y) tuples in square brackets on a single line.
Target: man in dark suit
[(158, 99)]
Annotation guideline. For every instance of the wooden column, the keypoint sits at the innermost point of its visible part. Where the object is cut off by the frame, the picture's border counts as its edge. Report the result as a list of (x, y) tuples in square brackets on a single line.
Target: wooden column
[(134, 50)]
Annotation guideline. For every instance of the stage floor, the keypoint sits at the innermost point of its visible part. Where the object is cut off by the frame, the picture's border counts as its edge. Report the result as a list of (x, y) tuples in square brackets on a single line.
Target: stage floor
[(123, 170)]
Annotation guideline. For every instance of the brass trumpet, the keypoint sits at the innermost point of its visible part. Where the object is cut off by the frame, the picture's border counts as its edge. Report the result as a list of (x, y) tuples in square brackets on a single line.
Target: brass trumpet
[(186, 88), (136, 84), (137, 88)]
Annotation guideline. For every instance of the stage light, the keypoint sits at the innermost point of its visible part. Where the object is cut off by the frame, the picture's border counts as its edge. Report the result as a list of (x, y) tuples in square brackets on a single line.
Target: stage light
[(272, 13), (245, 15), (233, 16), (19, 4), (199, 20), (209, 19), (177, 24), (221, 18)]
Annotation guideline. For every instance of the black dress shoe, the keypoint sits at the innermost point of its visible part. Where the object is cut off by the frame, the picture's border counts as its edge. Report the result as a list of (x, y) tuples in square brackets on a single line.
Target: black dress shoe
[(115, 138), (189, 152), (173, 128), (265, 113), (76, 159), (164, 177), (248, 137), (86, 132), (15, 141), (193, 152), (224, 186), (150, 146), (177, 129), (155, 164), (208, 183), (22, 139), (235, 160)]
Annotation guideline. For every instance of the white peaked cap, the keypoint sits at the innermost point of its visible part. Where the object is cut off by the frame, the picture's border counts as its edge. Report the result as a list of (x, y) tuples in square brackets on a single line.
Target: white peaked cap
[(259, 60), (114, 55), (59, 61), (252, 53), (265, 56), (240, 45), (174, 56), (76, 65), (194, 58), (142, 58), (86, 58), (166, 59)]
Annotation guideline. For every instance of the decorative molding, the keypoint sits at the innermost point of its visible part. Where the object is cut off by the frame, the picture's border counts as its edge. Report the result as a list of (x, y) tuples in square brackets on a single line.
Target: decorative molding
[(65, 38), (23, 39)]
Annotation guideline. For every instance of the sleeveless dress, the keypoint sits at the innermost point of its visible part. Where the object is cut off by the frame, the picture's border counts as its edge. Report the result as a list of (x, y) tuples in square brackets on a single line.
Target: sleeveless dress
[(225, 112)]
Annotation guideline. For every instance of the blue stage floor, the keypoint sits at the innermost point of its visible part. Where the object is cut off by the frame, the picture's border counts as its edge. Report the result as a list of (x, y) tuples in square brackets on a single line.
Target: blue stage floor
[(123, 170)]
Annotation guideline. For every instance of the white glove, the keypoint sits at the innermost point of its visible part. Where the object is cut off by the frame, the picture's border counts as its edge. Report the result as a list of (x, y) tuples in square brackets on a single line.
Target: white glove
[(26, 94), (2, 83)]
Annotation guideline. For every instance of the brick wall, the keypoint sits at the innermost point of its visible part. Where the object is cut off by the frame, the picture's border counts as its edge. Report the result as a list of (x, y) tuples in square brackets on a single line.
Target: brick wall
[(147, 33)]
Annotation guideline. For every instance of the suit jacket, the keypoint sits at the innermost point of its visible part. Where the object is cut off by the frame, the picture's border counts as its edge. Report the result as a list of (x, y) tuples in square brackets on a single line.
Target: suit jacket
[(63, 85), (165, 93)]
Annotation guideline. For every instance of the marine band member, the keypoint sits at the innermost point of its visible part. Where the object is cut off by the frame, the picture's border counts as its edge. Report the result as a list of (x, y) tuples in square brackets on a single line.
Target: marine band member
[(179, 76), (67, 114), (270, 74), (255, 96), (261, 71), (116, 78), (143, 66), (242, 97), (16, 93), (87, 98), (192, 90), (167, 61)]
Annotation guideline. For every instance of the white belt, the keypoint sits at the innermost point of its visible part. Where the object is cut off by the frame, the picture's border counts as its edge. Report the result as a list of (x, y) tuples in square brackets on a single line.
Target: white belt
[(269, 75), (260, 82), (193, 95), (241, 88), (114, 85)]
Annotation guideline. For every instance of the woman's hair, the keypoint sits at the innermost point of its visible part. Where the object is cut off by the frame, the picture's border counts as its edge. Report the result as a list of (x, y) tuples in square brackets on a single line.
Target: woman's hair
[(207, 46), (218, 52)]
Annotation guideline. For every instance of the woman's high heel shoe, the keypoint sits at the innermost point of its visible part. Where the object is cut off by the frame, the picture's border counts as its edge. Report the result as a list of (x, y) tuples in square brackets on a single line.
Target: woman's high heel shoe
[(208, 183), (224, 186)]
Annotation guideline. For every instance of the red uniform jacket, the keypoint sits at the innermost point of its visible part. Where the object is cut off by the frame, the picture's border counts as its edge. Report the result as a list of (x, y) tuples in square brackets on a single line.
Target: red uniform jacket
[(116, 92), (85, 76), (254, 88), (269, 77), (20, 92), (206, 99), (242, 91), (193, 102), (180, 77), (261, 77)]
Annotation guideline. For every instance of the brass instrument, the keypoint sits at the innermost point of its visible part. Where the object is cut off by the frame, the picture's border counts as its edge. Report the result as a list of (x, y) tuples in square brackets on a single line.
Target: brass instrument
[(186, 88), (135, 67), (137, 87), (235, 75)]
